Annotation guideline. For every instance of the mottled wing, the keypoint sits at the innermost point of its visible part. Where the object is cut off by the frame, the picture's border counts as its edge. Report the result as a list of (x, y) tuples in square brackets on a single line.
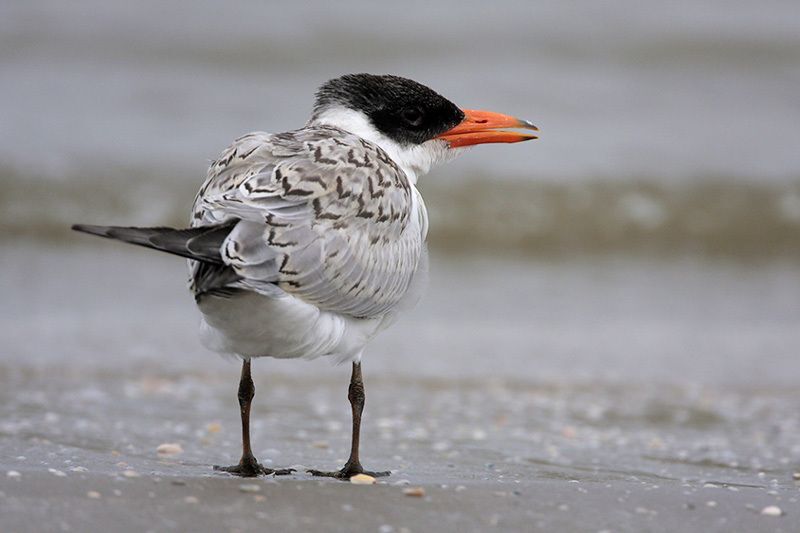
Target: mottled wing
[(325, 216)]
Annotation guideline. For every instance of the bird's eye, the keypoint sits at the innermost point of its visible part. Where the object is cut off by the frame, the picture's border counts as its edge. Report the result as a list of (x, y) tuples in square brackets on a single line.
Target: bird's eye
[(412, 116)]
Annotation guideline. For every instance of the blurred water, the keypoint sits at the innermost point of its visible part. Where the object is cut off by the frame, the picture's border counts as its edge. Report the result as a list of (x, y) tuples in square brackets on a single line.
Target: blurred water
[(625, 89), (673, 125)]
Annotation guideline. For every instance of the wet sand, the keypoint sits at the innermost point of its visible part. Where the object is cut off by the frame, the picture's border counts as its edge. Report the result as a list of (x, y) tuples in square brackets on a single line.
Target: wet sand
[(557, 396), (38, 502), (81, 450)]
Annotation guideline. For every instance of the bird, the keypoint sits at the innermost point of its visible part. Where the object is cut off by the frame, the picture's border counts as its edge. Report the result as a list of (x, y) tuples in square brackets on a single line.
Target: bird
[(308, 243)]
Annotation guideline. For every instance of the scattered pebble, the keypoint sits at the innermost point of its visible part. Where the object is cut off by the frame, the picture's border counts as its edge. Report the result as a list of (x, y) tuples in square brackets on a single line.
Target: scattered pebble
[(796, 476), (13, 473), (214, 427), (57, 473), (249, 487), (441, 446), (321, 444), (130, 473), (772, 510), (191, 499), (169, 448), (711, 503), (93, 494), (362, 479), (417, 492), (178, 482), (78, 469), (386, 528)]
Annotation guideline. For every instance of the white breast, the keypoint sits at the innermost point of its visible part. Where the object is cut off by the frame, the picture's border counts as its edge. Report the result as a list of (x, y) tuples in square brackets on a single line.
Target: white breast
[(254, 325), (283, 326)]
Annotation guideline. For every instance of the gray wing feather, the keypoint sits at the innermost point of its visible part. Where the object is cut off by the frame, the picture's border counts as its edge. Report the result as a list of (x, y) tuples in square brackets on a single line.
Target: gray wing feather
[(325, 216)]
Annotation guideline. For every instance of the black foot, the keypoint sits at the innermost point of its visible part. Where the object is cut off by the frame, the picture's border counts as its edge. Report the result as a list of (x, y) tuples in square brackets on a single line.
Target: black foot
[(252, 468), (347, 472)]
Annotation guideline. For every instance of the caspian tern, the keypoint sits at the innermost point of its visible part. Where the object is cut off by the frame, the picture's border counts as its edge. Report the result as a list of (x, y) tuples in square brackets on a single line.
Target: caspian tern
[(307, 243)]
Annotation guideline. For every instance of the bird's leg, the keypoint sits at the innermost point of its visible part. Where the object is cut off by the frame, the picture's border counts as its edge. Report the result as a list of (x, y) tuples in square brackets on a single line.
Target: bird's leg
[(355, 393), (248, 465)]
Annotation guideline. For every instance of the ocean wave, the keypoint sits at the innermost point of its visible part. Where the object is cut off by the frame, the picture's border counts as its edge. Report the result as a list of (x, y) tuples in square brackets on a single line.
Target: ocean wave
[(476, 215), (706, 216)]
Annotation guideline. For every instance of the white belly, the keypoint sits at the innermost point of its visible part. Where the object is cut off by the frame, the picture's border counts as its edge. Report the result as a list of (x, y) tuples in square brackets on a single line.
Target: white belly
[(252, 325)]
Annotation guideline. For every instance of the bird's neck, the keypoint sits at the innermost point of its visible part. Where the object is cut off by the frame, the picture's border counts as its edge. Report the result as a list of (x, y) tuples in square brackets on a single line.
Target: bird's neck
[(415, 160)]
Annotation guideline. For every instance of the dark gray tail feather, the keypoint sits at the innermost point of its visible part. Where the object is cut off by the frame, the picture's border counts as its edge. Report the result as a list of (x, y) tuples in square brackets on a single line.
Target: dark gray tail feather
[(202, 243)]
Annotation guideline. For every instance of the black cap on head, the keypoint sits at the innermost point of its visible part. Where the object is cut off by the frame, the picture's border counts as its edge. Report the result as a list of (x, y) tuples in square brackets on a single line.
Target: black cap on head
[(402, 109)]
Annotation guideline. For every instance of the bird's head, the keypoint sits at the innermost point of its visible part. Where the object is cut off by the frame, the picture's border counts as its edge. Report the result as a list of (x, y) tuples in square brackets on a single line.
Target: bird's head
[(415, 125)]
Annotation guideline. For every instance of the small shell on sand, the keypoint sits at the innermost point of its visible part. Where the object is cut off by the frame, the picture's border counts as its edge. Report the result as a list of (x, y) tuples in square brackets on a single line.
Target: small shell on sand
[(169, 448), (796, 476), (772, 510), (417, 492), (250, 487), (362, 479)]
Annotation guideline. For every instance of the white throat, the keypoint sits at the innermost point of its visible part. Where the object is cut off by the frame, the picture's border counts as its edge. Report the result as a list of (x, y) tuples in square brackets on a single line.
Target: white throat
[(415, 160)]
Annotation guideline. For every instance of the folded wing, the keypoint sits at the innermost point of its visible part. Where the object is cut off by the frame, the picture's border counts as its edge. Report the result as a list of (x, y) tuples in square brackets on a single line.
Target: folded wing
[(323, 215)]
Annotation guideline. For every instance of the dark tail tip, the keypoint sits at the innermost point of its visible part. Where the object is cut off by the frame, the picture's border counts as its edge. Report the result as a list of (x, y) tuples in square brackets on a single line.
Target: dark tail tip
[(102, 231)]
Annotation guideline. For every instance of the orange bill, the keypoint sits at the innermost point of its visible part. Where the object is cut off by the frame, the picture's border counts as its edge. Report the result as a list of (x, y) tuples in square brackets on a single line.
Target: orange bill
[(482, 127)]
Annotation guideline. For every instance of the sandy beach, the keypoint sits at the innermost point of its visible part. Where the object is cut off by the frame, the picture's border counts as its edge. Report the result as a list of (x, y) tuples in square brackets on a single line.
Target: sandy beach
[(508, 421), (179, 503)]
